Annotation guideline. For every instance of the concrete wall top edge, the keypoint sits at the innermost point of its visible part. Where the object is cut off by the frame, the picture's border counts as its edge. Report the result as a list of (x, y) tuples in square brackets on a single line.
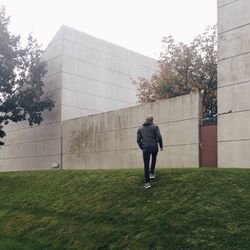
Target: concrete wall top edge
[(81, 51), (108, 140), (55, 49), (76, 36), (191, 99), (55, 38)]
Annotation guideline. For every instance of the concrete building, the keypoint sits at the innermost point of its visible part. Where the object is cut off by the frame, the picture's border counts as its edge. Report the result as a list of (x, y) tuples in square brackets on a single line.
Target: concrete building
[(85, 76), (90, 75), (234, 83)]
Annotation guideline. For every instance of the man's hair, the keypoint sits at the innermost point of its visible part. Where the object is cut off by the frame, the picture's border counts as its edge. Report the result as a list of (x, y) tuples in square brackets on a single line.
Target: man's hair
[(149, 118)]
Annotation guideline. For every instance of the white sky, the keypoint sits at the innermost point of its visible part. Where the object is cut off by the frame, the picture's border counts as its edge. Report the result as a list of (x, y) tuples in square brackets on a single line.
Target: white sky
[(138, 25)]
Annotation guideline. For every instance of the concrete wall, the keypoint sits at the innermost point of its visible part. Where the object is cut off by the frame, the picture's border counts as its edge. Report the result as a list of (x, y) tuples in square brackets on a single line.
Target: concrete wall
[(31, 148), (97, 75), (234, 83), (37, 147), (85, 75), (108, 140)]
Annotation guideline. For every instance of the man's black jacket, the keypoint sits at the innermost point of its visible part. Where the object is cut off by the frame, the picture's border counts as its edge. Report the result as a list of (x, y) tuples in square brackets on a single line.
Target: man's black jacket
[(148, 137)]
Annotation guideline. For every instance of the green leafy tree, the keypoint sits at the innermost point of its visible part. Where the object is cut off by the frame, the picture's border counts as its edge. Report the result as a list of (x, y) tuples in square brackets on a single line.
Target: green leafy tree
[(183, 69), (21, 86)]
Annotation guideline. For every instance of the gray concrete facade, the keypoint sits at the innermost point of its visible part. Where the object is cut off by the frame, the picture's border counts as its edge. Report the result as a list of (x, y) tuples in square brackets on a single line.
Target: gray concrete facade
[(234, 83), (96, 76), (85, 76), (108, 140), (36, 147)]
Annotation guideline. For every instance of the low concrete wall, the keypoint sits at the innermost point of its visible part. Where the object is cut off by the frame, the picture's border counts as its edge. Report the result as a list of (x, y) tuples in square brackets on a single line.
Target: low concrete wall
[(108, 140), (31, 148)]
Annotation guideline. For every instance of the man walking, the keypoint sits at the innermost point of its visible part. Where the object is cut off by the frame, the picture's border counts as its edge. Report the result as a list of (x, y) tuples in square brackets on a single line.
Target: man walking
[(148, 138)]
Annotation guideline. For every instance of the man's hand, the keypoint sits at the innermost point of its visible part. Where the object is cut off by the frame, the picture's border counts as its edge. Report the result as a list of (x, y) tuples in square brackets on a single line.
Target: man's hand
[(161, 149)]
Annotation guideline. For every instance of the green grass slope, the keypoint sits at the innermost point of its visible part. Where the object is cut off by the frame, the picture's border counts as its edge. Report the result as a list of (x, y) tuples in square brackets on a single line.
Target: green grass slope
[(109, 209)]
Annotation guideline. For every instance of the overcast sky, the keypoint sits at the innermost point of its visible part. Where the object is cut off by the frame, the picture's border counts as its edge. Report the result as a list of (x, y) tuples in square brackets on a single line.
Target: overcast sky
[(138, 25)]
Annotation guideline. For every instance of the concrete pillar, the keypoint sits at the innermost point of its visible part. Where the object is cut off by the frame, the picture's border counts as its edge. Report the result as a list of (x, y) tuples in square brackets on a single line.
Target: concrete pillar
[(234, 83)]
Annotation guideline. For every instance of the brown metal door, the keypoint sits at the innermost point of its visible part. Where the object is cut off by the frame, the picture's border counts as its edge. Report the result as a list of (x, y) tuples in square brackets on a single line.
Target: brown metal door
[(208, 146)]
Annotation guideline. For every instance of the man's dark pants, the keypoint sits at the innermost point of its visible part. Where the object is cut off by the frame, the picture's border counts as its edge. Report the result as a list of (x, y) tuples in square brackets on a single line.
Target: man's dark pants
[(146, 159)]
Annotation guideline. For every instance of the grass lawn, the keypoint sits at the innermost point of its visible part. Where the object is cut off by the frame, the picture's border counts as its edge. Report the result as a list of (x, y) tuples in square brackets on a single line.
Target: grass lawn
[(109, 209)]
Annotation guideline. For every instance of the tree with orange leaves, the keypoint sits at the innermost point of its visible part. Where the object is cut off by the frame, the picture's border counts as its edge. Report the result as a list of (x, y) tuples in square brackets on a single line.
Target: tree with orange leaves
[(184, 69)]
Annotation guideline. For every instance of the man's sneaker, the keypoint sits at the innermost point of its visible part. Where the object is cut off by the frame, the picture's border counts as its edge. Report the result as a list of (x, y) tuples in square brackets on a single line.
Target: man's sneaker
[(147, 185), (152, 176)]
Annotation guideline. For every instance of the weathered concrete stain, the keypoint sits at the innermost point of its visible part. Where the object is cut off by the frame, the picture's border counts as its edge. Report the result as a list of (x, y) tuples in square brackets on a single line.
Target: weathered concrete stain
[(108, 140)]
